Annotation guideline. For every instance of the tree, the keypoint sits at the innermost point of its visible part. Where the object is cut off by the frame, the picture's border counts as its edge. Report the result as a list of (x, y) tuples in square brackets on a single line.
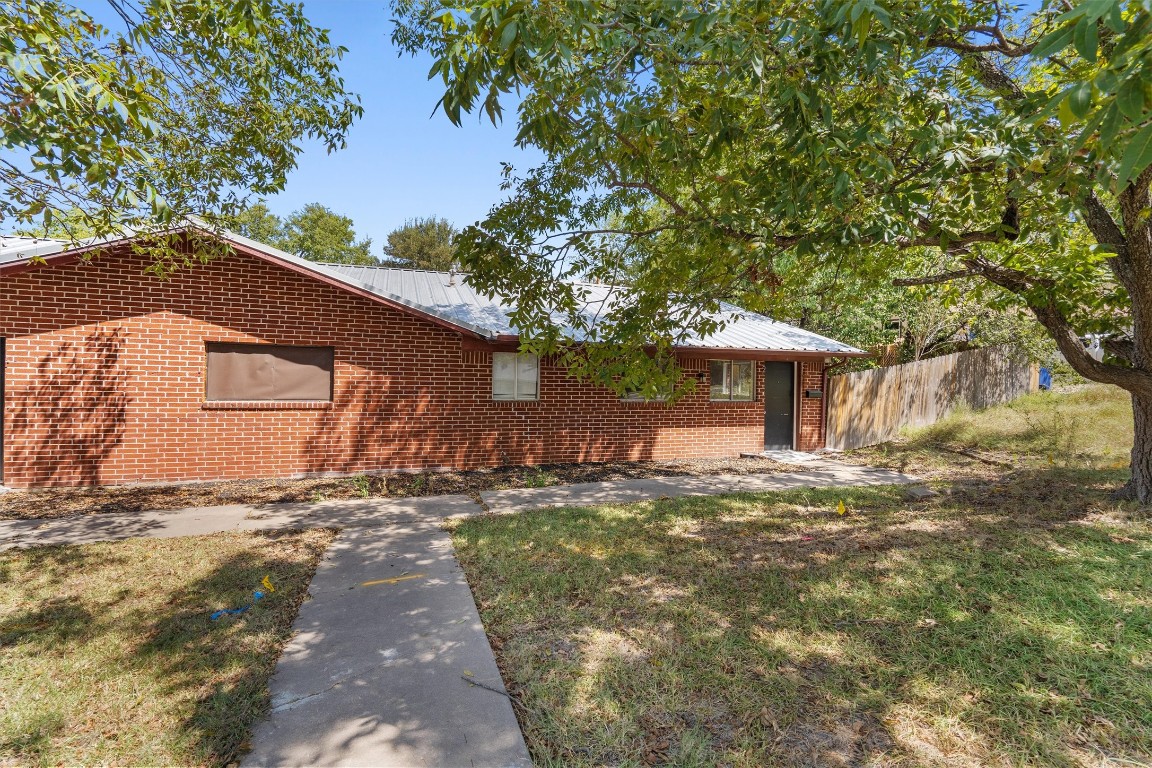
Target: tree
[(258, 223), (918, 321), (317, 233), (422, 243), (187, 107), (69, 226), (765, 137)]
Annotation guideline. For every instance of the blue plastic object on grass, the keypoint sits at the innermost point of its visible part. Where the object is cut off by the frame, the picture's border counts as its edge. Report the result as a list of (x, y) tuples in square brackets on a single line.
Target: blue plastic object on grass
[(226, 611), (1045, 378)]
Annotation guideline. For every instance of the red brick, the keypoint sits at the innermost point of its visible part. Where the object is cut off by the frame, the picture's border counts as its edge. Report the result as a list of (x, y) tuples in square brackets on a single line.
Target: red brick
[(105, 383)]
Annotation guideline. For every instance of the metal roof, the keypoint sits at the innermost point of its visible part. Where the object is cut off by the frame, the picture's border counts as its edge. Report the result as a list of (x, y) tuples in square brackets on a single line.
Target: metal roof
[(448, 296), (19, 248)]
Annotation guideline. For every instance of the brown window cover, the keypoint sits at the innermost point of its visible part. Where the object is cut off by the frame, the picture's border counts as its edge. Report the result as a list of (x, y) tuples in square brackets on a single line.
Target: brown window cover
[(268, 372)]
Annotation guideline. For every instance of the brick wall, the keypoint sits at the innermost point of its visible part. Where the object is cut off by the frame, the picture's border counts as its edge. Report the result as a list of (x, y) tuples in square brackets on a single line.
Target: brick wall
[(105, 383)]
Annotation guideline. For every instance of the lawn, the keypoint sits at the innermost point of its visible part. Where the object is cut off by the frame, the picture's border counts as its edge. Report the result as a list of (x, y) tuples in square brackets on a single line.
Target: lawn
[(1089, 427), (109, 655), (1006, 622)]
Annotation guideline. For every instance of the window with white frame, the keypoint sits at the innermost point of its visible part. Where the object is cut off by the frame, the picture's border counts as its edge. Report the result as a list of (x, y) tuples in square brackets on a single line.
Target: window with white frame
[(732, 379), (515, 376)]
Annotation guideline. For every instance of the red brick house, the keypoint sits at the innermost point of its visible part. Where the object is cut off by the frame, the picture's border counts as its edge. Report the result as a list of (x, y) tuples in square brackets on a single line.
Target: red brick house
[(261, 364)]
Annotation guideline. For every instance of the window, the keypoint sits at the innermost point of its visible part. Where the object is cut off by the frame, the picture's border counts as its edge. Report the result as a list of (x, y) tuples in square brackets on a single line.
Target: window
[(635, 396), (733, 379), (515, 376), (267, 372)]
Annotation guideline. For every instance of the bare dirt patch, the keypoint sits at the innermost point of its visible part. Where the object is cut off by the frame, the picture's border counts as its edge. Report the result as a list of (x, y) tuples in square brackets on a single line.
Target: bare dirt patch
[(67, 502)]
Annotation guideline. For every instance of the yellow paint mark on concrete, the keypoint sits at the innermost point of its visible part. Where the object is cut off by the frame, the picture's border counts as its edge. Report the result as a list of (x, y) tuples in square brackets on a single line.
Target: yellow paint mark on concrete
[(394, 580)]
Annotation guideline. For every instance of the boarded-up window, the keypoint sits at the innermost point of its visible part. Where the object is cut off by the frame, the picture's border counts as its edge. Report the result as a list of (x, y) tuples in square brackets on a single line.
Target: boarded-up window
[(515, 377), (257, 372), (732, 379)]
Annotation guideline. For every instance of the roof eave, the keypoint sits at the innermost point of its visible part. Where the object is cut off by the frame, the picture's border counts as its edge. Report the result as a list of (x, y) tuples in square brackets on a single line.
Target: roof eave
[(505, 342)]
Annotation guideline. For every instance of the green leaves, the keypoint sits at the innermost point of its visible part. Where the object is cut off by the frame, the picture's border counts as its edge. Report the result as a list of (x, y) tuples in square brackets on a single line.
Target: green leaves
[(313, 232), (726, 152), (1131, 99), (1086, 38), (1137, 156), (195, 106), (423, 243), (1105, 91)]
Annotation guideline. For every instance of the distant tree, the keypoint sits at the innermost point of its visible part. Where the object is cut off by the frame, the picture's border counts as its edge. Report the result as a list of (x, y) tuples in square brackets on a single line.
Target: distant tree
[(422, 243), (317, 233), (923, 320), (258, 223), (71, 226)]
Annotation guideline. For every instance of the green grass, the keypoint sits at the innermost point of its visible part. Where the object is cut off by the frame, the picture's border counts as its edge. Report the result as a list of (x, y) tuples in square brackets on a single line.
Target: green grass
[(1006, 622), (1088, 428), (108, 654)]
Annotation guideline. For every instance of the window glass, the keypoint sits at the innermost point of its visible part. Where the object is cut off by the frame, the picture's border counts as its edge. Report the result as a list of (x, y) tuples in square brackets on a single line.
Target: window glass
[(742, 379), (527, 376), (268, 372), (732, 379), (718, 370), (504, 375), (515, 376)]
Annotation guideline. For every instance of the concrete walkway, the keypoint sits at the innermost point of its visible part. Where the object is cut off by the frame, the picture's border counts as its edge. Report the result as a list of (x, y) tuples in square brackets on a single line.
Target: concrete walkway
[(377, 513), (389, 664), (378, 671)]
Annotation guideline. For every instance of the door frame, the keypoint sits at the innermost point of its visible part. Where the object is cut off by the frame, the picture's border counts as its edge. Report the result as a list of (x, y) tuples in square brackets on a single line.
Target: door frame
[(795, 401)]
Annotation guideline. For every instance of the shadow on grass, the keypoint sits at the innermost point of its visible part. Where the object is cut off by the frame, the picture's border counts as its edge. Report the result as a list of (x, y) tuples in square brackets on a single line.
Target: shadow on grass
[(173, 685), (769, 630)]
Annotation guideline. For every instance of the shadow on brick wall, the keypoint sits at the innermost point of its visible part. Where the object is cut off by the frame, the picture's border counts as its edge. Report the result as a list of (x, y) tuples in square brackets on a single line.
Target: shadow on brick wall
[(72, 417), (376, 426)]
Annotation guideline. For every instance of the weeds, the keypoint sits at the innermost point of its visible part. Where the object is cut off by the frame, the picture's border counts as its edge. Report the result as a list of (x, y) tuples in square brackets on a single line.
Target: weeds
[(362, 485), (537, 478)]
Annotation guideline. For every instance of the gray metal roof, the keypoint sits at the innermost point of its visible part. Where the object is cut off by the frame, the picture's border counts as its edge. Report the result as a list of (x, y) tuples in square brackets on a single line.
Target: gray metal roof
[(448, 296), (19, 248)]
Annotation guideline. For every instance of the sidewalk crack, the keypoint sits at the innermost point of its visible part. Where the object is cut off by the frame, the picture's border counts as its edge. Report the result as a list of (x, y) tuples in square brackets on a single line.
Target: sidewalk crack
[(289, 704)]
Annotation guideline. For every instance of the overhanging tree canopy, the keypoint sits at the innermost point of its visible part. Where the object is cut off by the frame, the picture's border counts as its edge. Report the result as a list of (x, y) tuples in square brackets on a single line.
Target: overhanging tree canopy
[(729, 142), (169, 108)]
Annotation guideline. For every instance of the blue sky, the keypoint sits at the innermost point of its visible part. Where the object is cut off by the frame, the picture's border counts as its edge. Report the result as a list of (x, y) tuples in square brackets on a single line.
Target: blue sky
[(401, 161)]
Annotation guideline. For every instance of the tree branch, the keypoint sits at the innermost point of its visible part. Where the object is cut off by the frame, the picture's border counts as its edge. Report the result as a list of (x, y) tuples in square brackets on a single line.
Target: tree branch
[(1125, 349), (1062, 332), (955, 245), (943, 277), (1001, 46)]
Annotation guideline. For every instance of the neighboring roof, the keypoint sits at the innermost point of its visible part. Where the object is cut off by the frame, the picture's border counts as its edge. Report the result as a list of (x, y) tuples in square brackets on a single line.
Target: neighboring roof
[(448, 295), (447, 298)]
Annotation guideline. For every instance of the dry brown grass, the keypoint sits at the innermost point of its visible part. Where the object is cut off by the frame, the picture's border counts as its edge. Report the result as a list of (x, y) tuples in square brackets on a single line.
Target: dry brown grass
[(108, 654)]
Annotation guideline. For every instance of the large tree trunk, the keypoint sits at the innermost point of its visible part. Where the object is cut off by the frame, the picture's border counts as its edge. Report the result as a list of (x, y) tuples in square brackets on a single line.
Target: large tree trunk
[(1139, 487)]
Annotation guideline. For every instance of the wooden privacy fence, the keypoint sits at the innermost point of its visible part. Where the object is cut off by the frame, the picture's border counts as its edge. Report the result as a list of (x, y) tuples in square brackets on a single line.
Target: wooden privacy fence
[(872, 407)]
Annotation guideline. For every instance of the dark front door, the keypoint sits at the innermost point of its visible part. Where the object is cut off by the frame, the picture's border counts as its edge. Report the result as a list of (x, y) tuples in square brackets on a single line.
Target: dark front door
[(779, 405)]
